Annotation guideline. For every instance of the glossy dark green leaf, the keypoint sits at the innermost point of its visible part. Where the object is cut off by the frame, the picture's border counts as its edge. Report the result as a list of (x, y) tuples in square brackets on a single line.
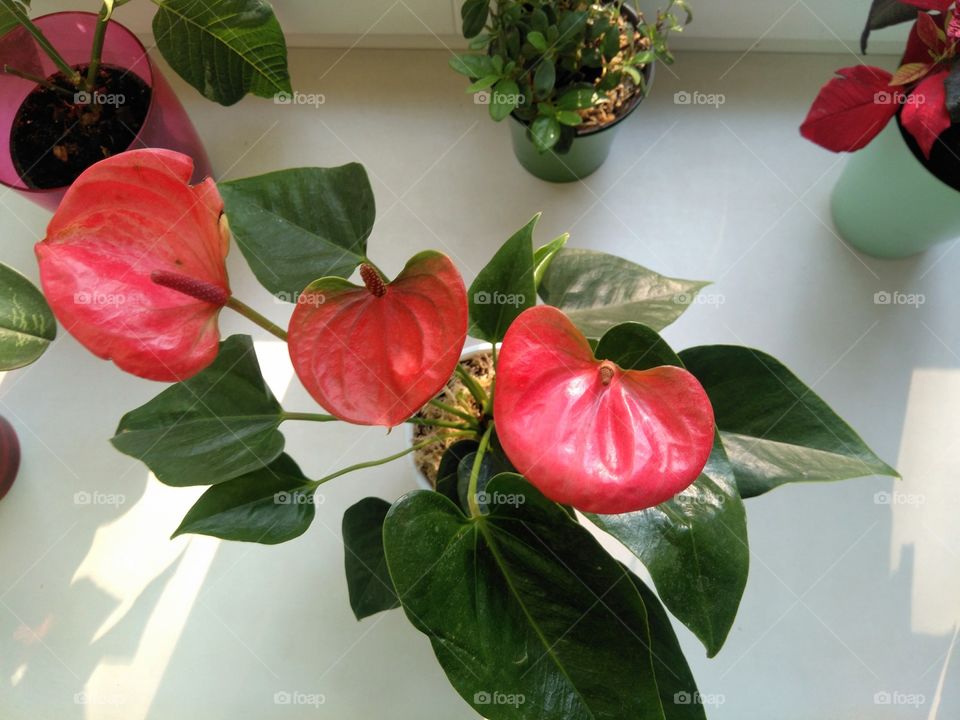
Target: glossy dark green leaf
[(543, 256), (472, 66), (775, 429), (504, 99), (544, 77), (270, 505), (294, 226), (537, 39), (599, 291), (474, 15), (884, 13), (220, 424), (368, 580), (678, 689), (27, 326), (577, 98), (695, 548), (528, 615), (545, 132), (633, 346), (505, 287), (225, 49), (448, 481)]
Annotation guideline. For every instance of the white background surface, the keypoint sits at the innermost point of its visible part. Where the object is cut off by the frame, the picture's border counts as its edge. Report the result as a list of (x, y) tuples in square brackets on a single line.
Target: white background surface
[(776, 25), (847, 597)]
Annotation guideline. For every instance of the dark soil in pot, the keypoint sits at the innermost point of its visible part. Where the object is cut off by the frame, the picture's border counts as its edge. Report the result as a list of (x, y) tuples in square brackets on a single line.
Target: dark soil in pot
[(427, 460), (59, 132)]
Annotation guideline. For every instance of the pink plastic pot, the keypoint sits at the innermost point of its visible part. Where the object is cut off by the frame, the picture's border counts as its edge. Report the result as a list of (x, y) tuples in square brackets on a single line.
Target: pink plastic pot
[(166, 125)]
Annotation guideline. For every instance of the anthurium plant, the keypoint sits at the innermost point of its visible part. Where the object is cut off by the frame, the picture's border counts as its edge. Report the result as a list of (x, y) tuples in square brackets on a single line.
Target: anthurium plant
[(923, 94), (562, 65), (591, 423), (224, 48)]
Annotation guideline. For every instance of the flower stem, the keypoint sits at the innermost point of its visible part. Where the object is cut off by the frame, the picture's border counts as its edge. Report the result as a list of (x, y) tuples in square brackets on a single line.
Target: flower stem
[(42, 82), (455, 411), (374, 463), (475, 472), (41, 39), (439, 423), (472, 385), (253, 316), (312, 417), (97, 51)]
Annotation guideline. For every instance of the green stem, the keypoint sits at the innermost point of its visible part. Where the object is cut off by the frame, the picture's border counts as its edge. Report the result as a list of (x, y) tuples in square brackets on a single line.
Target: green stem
[(455, 411), (472, 385), (475, 472), (253, 316), (41, 39), (312, 417), (97, 51), (374, 463), (43, 82), (438, 423)]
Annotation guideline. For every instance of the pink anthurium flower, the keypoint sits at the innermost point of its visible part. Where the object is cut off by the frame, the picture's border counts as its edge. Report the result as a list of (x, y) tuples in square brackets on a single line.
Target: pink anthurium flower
[(588, 433), (133, 264), (375, 354)]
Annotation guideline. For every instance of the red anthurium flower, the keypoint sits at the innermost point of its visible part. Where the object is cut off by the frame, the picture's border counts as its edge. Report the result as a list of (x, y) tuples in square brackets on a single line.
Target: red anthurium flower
[(851, 109), (588, 433), (925, 115), (133, 264), (375, 354)]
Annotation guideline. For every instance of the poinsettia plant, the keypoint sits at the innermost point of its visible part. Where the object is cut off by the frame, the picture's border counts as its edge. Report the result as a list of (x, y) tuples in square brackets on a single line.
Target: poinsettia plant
[(590, 422), (923, 93)]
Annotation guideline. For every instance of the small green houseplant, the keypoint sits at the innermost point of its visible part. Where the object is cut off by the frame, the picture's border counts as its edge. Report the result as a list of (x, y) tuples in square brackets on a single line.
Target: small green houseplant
[(77, 87), (590, 420), (565, 71)]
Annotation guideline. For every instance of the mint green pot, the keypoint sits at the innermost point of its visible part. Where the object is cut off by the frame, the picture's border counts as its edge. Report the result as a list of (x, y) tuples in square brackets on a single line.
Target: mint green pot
[(888, 205)]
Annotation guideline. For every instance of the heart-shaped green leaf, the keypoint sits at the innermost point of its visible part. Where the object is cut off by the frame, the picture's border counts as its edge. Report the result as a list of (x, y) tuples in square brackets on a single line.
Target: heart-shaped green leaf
[(599, 291), (485, 591), (27, 326), (368, 580), (775, 429), (294, 226), (271, 505), (225, 49), (220, 424), (505, 287), (543, 256)]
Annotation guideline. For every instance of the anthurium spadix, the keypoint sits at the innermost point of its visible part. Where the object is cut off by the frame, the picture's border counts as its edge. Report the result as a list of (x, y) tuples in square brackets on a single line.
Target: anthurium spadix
[(375, 354), (588, 433), (133, 264)]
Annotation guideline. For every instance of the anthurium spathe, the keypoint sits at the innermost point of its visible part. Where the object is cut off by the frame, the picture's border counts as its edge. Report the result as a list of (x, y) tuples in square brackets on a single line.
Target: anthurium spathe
[(590, 434), (375, 354), (133, 264)]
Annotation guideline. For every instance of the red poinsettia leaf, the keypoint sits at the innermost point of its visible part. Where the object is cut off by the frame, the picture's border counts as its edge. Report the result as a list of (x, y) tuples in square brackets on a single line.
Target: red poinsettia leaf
[(929, 33), (925, 114), (953, 26), (910, 73), (934, 5), (375, 355), (588, 433), (851, 109), (125, 222)]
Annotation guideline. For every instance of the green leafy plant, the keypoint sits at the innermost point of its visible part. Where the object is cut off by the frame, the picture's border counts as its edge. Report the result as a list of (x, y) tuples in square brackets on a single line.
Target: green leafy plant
[(27, 327), (588, 421), (562, 66), (224, 48)]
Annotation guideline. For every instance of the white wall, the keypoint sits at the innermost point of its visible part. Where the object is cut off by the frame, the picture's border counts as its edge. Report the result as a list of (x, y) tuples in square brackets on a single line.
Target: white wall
[(772, 25)]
